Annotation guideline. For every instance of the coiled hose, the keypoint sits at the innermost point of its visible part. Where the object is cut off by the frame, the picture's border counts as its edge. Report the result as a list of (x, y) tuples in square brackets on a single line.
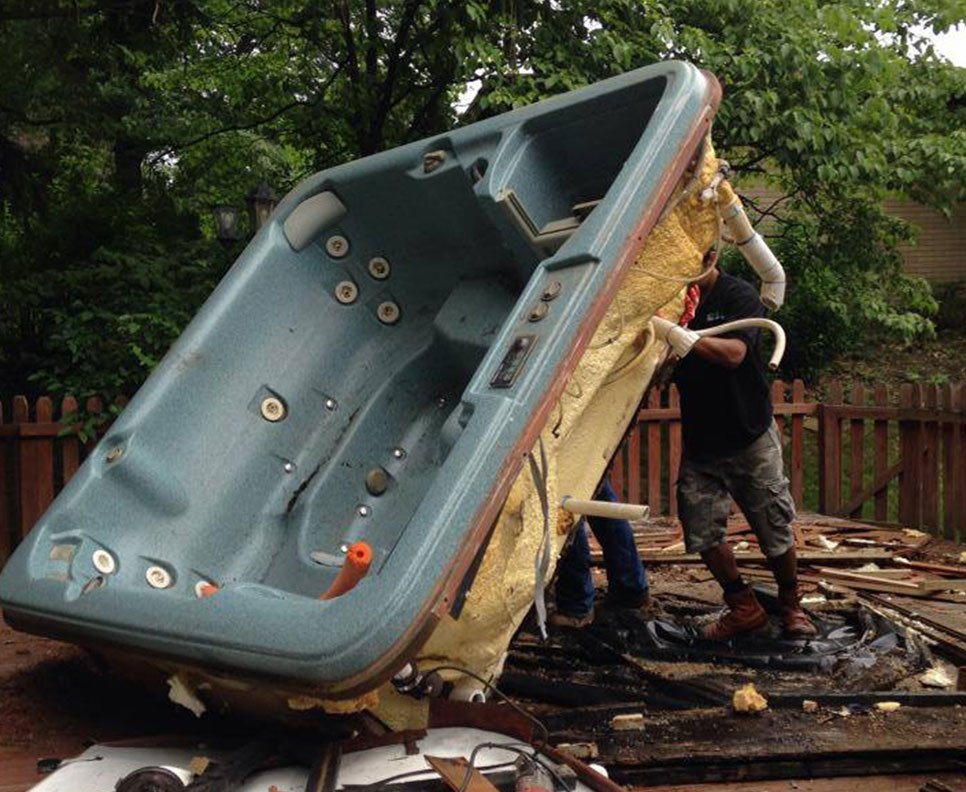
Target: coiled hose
[(741, 324)]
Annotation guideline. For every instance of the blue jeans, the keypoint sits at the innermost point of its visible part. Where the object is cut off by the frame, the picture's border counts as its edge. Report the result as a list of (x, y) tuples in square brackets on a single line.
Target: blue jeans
[(626, 579)]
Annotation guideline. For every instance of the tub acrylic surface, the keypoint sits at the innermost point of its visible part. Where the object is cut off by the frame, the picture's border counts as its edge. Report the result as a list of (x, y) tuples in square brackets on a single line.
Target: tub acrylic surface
[(374, 367)]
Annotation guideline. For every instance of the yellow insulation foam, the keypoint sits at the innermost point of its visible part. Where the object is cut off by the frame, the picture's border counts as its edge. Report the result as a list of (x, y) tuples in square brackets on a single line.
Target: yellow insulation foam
[(579, 439)]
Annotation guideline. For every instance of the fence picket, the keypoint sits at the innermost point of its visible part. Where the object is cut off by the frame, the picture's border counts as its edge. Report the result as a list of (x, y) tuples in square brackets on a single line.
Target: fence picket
[(880, 440), (830, 454), (654, 456), (857, 449), (797, 463), (673, 452), (7, 541), (778, 397), (961, 462), (70, 445), (93, 406), (954, 503), (910, 510), (930, 464), (20, 415), (617, 478), (634, 465), (931, 468), (960, 479), (36, 467)]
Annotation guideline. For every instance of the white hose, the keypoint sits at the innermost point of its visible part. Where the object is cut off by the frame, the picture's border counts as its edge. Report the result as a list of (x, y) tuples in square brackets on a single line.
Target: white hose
[(597, 508), (741, 324), (757, 253)]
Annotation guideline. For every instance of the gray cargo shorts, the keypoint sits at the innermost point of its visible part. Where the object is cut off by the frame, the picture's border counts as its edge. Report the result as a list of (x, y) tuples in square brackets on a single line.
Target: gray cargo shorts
[(755, 478)]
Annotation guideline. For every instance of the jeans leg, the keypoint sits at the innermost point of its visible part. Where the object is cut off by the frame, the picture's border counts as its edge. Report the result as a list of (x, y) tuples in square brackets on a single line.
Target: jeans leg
[(575, 585), (626, 577)]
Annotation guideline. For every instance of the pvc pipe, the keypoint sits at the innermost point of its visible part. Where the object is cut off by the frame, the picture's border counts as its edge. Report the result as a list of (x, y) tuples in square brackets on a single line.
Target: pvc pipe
[(757, 253), (740, 324), (471, 693), (597, 508)]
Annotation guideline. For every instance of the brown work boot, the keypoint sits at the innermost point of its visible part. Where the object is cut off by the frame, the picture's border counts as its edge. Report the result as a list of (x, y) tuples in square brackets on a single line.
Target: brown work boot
[(794, 620), (570, 621), (642, 602), (744, 614)]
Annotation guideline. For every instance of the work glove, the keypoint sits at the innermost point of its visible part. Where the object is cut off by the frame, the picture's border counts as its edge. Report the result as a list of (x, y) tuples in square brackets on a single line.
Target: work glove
[(680, 339)]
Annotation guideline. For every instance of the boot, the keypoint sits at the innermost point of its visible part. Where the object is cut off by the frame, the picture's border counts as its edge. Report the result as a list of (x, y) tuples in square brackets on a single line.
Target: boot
[(642, 602), (744, 614), (570, 621), (794, 620)]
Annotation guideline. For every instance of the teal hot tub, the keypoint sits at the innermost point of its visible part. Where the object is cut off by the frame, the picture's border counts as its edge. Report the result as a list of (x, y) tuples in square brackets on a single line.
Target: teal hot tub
[(374, 366)]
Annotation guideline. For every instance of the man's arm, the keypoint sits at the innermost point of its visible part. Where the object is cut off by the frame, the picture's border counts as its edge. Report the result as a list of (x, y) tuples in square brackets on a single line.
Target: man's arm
[(727, 351), (722, 351), (730, 350)]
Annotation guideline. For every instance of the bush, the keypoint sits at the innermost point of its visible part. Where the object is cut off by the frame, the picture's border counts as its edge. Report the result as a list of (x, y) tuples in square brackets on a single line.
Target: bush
[(846, 289), (952, 306)]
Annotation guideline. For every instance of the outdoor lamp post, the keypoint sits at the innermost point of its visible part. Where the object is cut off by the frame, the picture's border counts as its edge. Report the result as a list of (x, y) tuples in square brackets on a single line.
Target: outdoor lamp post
[(261, 201), (226, 224)]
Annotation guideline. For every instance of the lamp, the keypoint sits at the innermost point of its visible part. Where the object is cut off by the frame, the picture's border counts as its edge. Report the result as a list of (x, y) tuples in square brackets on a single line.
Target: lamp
[(226, 224), (261, 201)]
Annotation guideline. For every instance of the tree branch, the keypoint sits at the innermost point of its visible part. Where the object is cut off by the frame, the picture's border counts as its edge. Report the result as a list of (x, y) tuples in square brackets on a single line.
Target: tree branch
[(241, 127), (395, 56), (746, 166), (768, 211), (23, 118), (360, 121)]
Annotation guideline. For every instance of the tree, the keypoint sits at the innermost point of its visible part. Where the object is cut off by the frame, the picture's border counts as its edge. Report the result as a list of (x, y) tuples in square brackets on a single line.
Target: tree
[(835, 104), (123, 121)]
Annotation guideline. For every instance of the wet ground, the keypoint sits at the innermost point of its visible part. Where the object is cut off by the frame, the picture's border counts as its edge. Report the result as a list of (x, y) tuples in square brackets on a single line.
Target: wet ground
[(54, 700)]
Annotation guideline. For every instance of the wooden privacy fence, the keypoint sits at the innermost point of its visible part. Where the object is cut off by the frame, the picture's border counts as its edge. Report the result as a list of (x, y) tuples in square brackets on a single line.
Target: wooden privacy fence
[(891, 457), (896, 457), (915, 451), (38, 455)]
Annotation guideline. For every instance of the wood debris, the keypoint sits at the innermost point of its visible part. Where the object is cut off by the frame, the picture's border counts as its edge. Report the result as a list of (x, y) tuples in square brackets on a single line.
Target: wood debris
[(843, 560)]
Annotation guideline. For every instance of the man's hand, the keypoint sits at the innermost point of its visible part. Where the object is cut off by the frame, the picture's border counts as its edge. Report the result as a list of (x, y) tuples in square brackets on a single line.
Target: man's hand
[(680, 339)]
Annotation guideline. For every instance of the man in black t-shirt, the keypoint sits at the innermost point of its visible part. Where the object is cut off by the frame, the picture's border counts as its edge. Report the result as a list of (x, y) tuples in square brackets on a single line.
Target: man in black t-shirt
[(732, 448)]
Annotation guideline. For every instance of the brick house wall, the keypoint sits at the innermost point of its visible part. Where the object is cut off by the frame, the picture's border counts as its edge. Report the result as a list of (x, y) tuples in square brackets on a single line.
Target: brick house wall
[(938, 255)]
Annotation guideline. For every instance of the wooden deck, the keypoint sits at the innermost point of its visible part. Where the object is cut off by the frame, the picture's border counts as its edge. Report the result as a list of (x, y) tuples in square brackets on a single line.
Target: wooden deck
[(54, 701)]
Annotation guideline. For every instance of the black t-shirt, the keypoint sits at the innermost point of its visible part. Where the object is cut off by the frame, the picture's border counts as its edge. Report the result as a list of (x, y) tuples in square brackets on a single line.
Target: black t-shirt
[(724, 410)]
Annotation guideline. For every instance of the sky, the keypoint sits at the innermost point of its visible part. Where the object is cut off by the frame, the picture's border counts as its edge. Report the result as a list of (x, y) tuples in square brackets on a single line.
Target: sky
[(952, 44)]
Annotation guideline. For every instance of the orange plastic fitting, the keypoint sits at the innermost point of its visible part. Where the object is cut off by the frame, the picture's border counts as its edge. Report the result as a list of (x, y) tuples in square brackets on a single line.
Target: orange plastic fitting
[(358, 558)]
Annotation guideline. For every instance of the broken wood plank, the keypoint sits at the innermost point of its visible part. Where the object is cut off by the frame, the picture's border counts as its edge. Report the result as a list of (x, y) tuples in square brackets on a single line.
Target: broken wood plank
[(908, 698), (454, 772), (939, 569), (706, 747), (879, 484), (950, 641), (806, 557), (876, 581), (944, 584), (869, 582), (861, 783)]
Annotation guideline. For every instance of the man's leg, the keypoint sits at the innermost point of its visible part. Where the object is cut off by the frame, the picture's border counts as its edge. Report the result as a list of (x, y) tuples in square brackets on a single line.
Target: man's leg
[(626, 579), (704, 504), (757, 480), (575, 584)]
